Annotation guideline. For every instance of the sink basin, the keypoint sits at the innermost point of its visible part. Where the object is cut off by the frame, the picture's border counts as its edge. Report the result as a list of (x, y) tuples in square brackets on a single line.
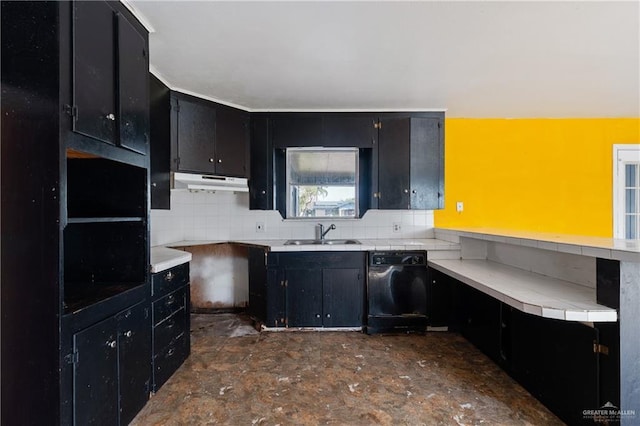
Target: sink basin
[(319, 242)]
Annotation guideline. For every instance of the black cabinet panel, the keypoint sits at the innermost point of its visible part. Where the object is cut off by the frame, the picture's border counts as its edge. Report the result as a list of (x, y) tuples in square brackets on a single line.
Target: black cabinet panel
[(394, 158), (481, 321), (134, 346), (95, 375), (165, 282), (94, 71), (166, 362), (232, 138), (439, 300), (349, 131), (426, 164), (196, 130), (133, 87), (297, 130), (160, 146), (343, 297), (261, 177), (257, 283), (304, 297), (276, 299)]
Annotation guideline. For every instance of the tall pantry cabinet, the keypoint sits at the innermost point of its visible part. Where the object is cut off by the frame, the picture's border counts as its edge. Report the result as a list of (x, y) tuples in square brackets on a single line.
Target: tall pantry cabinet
[(75, 301)]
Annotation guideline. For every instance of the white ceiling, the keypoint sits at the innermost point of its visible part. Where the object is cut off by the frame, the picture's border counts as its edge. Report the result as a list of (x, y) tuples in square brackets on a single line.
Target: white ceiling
[(475, 59)]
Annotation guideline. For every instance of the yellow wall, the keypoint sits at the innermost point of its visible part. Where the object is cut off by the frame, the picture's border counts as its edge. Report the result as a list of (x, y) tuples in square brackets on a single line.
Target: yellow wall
[(548, 175)]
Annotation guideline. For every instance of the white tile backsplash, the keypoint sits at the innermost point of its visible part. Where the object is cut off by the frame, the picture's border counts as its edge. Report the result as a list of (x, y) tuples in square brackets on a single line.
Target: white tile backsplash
[(226, 216)]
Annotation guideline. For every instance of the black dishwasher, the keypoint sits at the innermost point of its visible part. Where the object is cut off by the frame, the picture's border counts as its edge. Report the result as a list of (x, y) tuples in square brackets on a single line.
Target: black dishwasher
[(397, 292)]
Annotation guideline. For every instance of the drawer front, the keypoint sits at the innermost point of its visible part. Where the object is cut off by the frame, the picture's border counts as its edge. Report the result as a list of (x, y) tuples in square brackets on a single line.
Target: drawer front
[(169, 304), (169, 330), (166, 362), (170, 280)]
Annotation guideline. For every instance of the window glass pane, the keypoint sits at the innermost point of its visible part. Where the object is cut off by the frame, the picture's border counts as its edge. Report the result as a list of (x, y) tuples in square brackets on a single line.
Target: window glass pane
[(631, 170), (322, 182), (630, 200), (630, 227)]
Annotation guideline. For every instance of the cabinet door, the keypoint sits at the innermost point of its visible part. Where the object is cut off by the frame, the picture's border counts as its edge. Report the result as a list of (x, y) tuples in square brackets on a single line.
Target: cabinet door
[(196, 129), (160, 156), (95, 375), (346, 131), (232, 140), (276, 299), (297, 131), (481, 321), (94, 79), (134, 345), (261, 178), (257, 284), (133, 83), (439, 301), (304, 297), (343, 297), (394, 157), (426, 164)]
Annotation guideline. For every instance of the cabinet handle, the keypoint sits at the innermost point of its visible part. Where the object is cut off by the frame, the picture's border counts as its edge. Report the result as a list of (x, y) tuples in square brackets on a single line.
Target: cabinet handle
[(112, 344), (128, 333), (171, 352), (211, 160), (170, 300), (111, 117), (169, 276)]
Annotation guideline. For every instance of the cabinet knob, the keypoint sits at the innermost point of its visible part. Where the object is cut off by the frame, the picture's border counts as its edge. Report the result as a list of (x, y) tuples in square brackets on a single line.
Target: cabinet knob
[(112, 344), (111, 117), (219, 161), (263, 192), (414, 192), (128, 333), (169, 276), (317, 315), (211, 160), (154, 184), (406, 191), (328, 315)]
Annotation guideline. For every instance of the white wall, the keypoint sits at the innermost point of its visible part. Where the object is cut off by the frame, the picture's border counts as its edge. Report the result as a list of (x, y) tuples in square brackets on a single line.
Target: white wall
[(226, 216)]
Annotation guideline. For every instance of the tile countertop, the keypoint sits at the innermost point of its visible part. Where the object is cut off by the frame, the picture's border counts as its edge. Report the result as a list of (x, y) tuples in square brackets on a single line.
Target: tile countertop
[(606, 248), (164, 257)]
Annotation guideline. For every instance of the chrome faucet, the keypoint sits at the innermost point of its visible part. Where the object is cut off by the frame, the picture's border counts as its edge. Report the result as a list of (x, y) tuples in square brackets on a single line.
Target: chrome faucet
[(323, 232)]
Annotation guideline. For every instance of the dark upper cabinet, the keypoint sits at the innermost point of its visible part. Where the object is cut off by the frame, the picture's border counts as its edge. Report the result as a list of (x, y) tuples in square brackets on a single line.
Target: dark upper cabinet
[(160, 148), (410, 163), (110, 72), (232, 137), (133, 88), (94, 71), (208, 137), (261, 176), (196, 132), (349, 130), (297, 130)]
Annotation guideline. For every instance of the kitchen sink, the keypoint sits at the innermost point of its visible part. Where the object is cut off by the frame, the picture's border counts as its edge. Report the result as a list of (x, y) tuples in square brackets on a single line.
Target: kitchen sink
[(319, 242)]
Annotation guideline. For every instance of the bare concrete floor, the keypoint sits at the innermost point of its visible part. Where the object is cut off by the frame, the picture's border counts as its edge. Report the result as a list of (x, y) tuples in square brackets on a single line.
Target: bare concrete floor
[(238, 376)]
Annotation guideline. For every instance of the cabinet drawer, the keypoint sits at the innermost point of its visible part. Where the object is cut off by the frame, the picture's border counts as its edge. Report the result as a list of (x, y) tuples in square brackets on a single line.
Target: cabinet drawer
[(166, 362), (170, 304), (167, 281), (169, 330)]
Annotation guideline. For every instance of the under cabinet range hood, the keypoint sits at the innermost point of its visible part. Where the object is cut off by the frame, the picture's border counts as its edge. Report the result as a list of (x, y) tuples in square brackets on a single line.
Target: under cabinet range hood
[(207, 183)]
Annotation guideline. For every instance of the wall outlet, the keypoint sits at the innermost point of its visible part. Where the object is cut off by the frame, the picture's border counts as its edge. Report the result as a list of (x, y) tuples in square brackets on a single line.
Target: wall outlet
[(397, 226), (259, 226), (459, 206)]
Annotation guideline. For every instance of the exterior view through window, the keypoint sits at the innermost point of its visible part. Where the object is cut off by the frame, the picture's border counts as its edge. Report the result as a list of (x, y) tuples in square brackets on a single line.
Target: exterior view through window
[(322, 182)]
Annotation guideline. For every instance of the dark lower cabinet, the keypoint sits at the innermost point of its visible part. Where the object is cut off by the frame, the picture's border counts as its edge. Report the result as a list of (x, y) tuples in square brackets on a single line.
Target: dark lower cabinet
[(112, 368), (569, 366), (171, 322), (313, 289)]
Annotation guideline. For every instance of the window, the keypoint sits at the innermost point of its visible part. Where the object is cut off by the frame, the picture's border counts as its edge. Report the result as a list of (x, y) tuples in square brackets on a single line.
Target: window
[(626, 191), (322, 182)]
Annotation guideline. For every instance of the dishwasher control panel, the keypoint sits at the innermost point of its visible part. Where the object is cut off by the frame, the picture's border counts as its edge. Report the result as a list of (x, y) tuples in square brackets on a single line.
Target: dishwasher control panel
[(397, 258)]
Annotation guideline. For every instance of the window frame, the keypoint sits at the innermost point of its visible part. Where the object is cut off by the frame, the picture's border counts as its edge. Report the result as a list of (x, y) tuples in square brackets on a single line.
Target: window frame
[(287, 190), (623, 154)]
